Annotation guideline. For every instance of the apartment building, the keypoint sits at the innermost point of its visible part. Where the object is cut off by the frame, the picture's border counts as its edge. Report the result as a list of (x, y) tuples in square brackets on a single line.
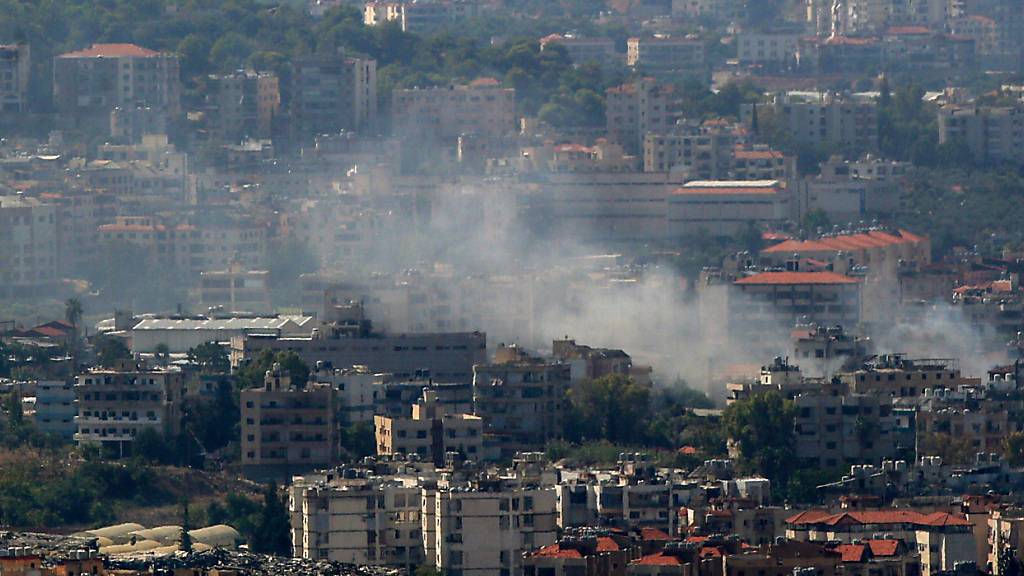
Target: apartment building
[(759, 162), (838, 430), (419, 17), (770, 49), (287, 428), (846, 122), (55, 408), (347, 338), (942, 539), (994, 134), (583, 551), (15, 70), (235, 289), (521, 399), (632, 110), (581, 50), (28, 245), (242, 105), (332, 93), (874, 248), (587, 363), (483, 526), (430, 433), (598, 206), (853, 190), (88, 84), (725, 207), (773, 299), (483, 108), (353, 517), (700, 151), (897, 376), (208, 242), (115, 405), (668, 58)]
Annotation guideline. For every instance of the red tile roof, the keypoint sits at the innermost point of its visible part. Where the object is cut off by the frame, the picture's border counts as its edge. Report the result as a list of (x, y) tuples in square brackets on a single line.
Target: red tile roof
[(112, 51), (652, 534), (658, 560), (852, 552), (556, 551), (799, 278), (908, 31), (893, 516), (757, 154), (607, 544), (845, 242), (884, 547)]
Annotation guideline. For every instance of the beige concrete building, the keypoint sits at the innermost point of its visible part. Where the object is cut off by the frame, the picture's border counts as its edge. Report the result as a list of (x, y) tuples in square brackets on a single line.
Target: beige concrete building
[(725, 207), (346, 338), (358, 520), (839, 122), (632, 110), (28, 245), (582, 50), (994, 134), (115, 405), (775, 49), (430, 432), (774, 299), (667, 57), (521, 399), (483, 527), (483, 108), (89, 83), (899, 377), (242, 105), (286, 428), (700, 151), (235, 289)]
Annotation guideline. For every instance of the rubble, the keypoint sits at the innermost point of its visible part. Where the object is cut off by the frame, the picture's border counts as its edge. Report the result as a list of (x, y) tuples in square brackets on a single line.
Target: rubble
[(245, 562)]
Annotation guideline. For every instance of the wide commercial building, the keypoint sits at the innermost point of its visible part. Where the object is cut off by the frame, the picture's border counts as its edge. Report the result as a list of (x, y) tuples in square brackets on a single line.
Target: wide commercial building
[(483, 108), (351, 341), (725, 207)]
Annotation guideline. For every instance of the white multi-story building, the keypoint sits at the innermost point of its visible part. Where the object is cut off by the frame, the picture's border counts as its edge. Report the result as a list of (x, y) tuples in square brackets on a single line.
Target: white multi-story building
[(482, 528), (28, 245)]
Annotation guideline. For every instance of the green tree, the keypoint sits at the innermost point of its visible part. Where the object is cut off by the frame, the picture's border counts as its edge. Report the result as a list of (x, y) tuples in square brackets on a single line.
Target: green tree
[(814, 220), (273, 532), (162, 353), (210, 357), (1013, 448), (151, 446), (251, 375), (73, 312), (609, 408), (358, 440), (186, 539), (761, 428), (111, 350)]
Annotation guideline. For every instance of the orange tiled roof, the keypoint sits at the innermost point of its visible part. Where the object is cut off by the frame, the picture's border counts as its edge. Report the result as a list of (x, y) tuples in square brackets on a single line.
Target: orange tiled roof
[(607, 544), (852, 552), (556, 551), (845, 242), (112, 51), (795, 278), (878, 517), (908, 31), (650, 534), (744, 154), (658, 560), (884, 547)]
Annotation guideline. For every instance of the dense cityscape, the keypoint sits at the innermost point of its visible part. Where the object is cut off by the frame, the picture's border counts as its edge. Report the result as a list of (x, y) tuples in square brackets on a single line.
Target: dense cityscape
[(512, 287)]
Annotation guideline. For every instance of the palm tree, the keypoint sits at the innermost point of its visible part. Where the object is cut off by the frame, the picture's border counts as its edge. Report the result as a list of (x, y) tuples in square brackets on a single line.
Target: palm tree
[(73, 312)]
